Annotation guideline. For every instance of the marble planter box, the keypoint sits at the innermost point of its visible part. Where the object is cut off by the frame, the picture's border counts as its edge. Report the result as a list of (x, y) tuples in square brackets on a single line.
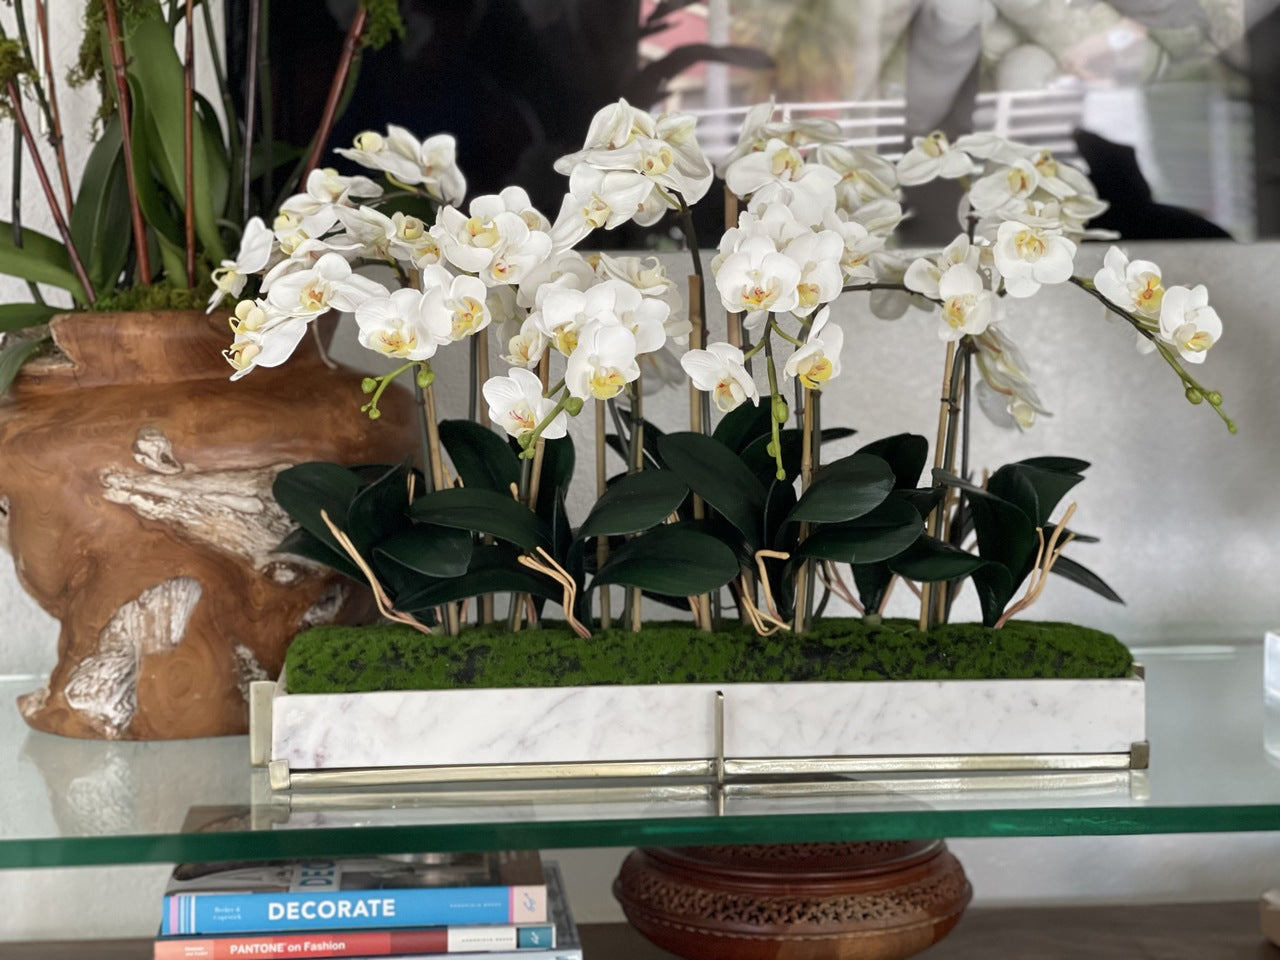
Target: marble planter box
[(696, 730)]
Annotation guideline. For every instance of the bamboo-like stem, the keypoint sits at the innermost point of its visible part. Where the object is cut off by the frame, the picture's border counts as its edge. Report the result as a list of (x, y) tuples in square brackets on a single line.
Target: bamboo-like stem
[(956, 397), (451, 622), (635, 465), (251, 110), (515, 613), (51, 108), (602, 484), (804, 578), (480, 360), (15, 213), (935, 517), (733, 321), (350, 49), (116, 44), (20, 117), (699, 422), (188, 144)]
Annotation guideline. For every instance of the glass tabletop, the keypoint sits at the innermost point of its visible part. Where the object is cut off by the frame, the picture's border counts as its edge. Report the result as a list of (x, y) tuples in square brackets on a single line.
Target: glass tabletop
[(70, 802)]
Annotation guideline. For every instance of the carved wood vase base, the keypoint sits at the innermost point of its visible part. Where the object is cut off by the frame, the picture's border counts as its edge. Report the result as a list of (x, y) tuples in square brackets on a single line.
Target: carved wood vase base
[(135, 483), (835, 901)]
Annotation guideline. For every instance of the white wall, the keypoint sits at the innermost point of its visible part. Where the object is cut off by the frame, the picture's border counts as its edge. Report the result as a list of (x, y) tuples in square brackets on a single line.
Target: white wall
[(1189, 528)]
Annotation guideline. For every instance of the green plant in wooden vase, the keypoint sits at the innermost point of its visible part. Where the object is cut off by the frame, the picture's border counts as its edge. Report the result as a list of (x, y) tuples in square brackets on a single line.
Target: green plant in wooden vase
[(119, 474)]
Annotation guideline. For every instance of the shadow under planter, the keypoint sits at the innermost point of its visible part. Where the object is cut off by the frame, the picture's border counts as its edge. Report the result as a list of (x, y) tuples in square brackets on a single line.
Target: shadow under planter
[(878, 900), (137, 480)]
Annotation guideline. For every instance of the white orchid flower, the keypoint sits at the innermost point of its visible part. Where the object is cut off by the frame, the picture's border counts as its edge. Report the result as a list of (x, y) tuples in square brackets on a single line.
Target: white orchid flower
[(526, 348), (890, 267), (329, 285), (1013, 183), (563, 268), (456, 304), (1188, 323), (413, 242), (503, 308), (370, 231), (648, 276), (772, 220), (304, 256), (924, 274), (757, 278), (257, 243), (441, 177), (1061, 180), (1006, 394), (817, 362), (820, 257), (864, 175), (932, 157), (645, 317), (968, 308), (759, 127), (598, 199), (859, 246), (396, 153), (603, 363), (779, 174), (990, 146), (1134, 285), (689, 173), (401, 325), (263, 337), (313, 211), (1028, 256), (493, 242), (517, 405), (880, 217), (613, 126), (721, 371)]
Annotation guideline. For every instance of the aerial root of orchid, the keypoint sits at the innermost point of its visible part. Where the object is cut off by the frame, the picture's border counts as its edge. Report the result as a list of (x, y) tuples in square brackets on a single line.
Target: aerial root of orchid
[(379, 594), (1046, 556), (567, 584)]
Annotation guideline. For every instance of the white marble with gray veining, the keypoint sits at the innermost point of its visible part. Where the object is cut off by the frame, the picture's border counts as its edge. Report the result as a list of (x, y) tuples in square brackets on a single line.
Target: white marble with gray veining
[(677, 722)]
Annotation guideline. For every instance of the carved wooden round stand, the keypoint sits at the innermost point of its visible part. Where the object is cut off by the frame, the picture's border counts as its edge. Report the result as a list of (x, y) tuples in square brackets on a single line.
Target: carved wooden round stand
[(833, 901), (136, 485)]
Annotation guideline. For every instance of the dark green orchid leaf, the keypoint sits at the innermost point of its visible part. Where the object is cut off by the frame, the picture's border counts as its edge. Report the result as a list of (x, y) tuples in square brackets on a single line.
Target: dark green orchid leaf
[(906, 454), (649, 440), (635, 502), (781, 500), (676, 560), (305, 490), (760, 461), (1057, 464), (845, 489), (429, 549), (380, 509), (995, 588), (1078, 573), (300, 543), (19, 316), (99, 220), (871, 581), (743, 425), (482, 459), (928, 560), (483, 511), (40, 259), (1005, 535), (1035, 490), (883, 533), (493, 569), (715, 473)]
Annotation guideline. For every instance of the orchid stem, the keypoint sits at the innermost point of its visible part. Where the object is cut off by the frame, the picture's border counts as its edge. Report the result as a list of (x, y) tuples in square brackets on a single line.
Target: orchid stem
[(350, 51), (116, 44), (188, 144)]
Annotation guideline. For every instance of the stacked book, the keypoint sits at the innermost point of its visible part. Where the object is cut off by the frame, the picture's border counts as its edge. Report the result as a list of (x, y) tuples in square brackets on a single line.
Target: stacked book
[(496, 906)]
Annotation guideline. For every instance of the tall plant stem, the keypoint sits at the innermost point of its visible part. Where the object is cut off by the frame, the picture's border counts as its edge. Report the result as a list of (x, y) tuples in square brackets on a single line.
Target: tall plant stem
[(188, 144), (250, 110), (602, 484), (699, 422), (49, 105), (957, 393), (480, 367), (266, 102), (116, 43), (808, 462), (635, 465), (927, 590), (437, 482), (530, 482), (733, 321), (15, 100), (350, 49)]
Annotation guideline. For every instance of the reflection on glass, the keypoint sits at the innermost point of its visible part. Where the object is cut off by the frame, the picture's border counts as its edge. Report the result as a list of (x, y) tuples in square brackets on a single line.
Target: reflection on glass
[(1271, 694)]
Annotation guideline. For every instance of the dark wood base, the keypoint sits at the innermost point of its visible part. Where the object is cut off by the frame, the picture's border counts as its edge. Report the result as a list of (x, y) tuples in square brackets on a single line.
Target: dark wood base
[(836, 901)]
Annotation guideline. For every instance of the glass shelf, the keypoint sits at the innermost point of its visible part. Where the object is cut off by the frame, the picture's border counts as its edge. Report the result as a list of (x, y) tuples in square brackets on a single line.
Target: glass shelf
[(69, 802)]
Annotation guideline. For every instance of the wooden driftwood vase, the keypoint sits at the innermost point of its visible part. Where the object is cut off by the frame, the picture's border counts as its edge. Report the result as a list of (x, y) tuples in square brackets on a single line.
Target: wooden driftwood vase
[(135, 483)]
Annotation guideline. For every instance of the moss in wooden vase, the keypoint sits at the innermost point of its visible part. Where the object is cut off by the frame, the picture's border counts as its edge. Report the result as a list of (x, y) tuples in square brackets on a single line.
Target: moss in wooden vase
[(393, 657)]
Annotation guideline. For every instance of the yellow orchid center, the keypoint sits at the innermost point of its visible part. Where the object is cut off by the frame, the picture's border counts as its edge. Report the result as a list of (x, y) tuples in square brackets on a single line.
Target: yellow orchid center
[(1018, 180), (1149, 293), (241, 354), (482, 233), (758, 294), (596, 212), (395, 343), (606, 383), (787, 163), (369, 141), (1198, 342), (224, 278), (724, 396), (815, 371), (1046, 166), (285, 221), (521, 348), (935, 144), (808, 294), (566, 340), (411, 229), (656, 164), (523, 417), (467, 314), (1030, 244), (428, 248), (956, 309), (313, 296)]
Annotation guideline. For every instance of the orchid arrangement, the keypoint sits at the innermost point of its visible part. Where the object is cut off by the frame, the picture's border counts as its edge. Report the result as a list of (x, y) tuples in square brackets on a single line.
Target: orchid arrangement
[(740, 508)]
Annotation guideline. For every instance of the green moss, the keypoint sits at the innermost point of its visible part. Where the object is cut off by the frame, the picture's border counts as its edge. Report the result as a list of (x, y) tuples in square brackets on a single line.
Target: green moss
[(393, 657), (158, 296), (14, 68), (384, 23)]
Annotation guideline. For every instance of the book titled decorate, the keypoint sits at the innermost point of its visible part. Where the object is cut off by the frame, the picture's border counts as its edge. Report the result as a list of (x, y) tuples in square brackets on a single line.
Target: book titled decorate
[(356, 893)]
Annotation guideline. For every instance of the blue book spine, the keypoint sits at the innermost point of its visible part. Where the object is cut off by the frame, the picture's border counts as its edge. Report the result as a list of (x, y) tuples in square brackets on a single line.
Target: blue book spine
[(214, 913)]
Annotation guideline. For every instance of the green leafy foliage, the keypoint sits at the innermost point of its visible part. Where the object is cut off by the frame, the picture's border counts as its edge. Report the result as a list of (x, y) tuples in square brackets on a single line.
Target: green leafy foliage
[(483, 511), (636, 502), (100, 223), (844, 490), (712, 471), (19, 316), (482, 459), (13, 356), (677, 560), (40, 259), (883, 532)]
